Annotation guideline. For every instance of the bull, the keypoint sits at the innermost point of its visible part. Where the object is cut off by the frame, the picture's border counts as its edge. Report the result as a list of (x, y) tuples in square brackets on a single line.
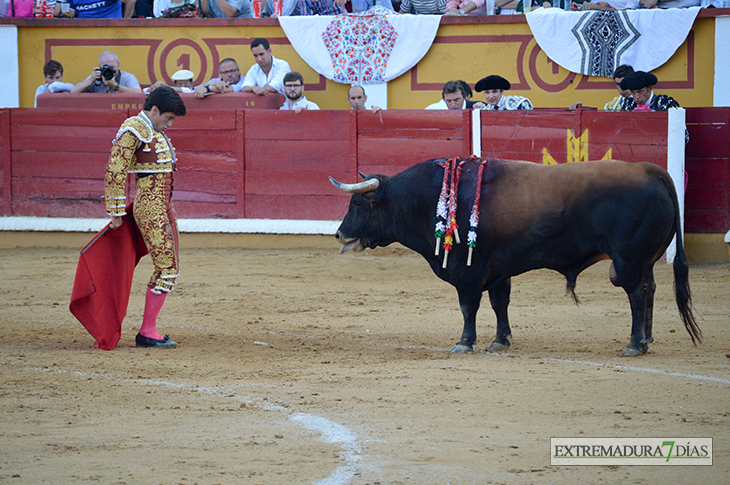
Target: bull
[(563, 217)]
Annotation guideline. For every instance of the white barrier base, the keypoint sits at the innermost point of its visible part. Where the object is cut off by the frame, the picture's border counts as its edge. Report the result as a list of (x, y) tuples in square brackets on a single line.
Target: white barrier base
[(229, 226)]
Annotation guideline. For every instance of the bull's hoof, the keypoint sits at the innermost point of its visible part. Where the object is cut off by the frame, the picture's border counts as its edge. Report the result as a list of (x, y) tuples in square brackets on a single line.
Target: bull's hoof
[(461, 348), (629, 352), (497, 346), (646, 341), (632, 352)]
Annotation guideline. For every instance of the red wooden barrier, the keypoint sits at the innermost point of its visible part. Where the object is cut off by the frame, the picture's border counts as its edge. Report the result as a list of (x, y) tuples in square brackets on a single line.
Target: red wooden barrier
[(123, 101), (528, 135), (563, 137), (5, 163), (388, 142), (207, 147), (58, 160), (288, 158), (634, 137), (275, 164), (708, 168)]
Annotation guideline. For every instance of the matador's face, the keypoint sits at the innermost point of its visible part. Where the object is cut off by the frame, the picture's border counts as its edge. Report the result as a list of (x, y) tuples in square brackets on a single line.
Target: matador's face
[(161, 121)]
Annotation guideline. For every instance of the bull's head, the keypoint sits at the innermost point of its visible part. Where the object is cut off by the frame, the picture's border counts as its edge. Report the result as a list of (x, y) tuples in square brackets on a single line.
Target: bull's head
[(361, 226)]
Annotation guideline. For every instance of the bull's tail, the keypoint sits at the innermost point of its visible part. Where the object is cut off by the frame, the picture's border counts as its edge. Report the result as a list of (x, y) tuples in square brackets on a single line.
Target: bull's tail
[(682, 292)]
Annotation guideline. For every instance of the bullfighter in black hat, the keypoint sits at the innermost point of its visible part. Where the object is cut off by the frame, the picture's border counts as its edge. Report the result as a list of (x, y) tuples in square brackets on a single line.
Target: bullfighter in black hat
[(642, 97), (494, 87)]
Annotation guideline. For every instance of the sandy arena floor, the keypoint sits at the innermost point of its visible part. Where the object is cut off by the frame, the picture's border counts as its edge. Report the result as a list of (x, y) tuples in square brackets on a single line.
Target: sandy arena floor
[(302, 366)]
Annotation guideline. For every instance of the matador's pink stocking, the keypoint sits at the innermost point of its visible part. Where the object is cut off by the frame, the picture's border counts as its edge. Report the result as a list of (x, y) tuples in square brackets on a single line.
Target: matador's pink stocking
[(152, 306)]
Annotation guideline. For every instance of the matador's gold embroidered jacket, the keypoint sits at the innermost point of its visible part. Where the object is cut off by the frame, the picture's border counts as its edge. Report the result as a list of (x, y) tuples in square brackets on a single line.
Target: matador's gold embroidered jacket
[(137, 148)]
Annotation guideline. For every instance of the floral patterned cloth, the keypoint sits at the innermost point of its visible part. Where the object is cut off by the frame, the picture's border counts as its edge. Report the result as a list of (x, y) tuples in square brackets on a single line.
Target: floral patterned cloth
[(369, 47)]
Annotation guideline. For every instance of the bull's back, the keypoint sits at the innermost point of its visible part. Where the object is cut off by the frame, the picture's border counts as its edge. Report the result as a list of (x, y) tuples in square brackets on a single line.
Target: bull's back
[(572, 201)]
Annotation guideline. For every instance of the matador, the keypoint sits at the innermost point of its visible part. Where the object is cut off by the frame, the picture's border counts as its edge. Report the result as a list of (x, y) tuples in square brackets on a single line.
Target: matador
[(142, 148)]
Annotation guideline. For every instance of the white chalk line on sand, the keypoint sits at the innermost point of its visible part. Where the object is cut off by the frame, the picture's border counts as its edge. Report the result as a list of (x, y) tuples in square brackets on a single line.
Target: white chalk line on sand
[(548, 359), (330, 431), (339, 435), (639, 369)]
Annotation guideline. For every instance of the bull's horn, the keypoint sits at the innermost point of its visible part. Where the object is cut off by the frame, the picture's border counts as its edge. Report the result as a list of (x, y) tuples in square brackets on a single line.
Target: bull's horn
[(362, 175), (364, 186)]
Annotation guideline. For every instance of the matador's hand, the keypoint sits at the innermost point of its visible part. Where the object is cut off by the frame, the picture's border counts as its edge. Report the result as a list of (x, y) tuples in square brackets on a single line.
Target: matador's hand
[(116, 222)]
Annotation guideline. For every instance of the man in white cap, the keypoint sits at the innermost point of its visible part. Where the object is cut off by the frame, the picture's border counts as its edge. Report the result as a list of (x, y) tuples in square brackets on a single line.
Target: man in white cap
[(183, 80)]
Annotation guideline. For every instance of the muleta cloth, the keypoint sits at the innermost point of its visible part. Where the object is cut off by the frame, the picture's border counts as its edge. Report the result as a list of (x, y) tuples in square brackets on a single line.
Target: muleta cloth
[(370, 47), (492, 82), (104, 280), (183, 75), (595, 43), (637, 80)]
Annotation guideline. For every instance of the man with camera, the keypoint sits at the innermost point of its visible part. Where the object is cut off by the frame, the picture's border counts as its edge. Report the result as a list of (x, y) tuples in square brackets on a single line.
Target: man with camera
[(108, 78)]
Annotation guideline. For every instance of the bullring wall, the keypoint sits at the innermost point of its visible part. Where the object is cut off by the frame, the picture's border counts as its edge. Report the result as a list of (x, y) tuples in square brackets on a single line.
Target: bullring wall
[(270, 164)]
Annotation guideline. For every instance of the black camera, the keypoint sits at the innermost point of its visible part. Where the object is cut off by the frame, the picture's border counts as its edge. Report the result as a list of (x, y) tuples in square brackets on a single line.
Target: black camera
[(108, 72)]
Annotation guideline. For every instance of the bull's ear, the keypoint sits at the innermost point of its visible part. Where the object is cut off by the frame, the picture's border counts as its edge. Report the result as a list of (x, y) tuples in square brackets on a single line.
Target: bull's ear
[(372, 197)]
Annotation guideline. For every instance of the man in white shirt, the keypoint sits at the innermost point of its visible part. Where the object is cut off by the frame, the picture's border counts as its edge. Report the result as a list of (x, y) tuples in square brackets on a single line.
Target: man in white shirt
[(357, 98), (295, 99), (267, 75)]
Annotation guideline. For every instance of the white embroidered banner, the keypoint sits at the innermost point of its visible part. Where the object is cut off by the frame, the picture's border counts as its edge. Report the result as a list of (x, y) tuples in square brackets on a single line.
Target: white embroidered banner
[(595, 43), (370, 47)]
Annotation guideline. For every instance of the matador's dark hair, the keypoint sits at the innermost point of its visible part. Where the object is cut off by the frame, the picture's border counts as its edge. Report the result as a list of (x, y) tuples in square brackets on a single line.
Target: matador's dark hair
[(167, 101)]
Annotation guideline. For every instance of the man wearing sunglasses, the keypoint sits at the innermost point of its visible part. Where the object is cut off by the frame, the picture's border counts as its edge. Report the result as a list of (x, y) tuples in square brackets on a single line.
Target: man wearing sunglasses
[(230, 80)]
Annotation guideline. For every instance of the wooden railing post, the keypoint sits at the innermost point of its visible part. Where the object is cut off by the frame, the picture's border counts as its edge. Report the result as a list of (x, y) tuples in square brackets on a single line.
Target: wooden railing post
[(6, 160)]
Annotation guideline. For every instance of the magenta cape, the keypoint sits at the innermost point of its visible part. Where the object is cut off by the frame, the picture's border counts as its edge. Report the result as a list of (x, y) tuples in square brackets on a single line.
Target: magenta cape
[(104, 280)]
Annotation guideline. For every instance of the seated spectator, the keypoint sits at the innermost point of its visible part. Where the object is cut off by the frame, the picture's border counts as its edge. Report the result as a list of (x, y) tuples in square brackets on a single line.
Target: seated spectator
[(462, 7), (222, 9), (160, 6), (508, 6), (230, 80), (670, 3), (642, 97), (267, 75), (183, 80), (494, 87), (357, 98), (454, 96), (323, 7), (53, 71), (295, 99), (289, 8), (562, 4), (94, 9), (108, 78), (618, 75), (467, 93), (365, 5), (609, 5), (142, 9), (423, 7), (615, 104)]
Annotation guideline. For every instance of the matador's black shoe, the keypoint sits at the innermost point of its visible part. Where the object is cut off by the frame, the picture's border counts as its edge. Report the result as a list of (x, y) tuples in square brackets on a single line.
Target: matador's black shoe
[(163, 343)]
